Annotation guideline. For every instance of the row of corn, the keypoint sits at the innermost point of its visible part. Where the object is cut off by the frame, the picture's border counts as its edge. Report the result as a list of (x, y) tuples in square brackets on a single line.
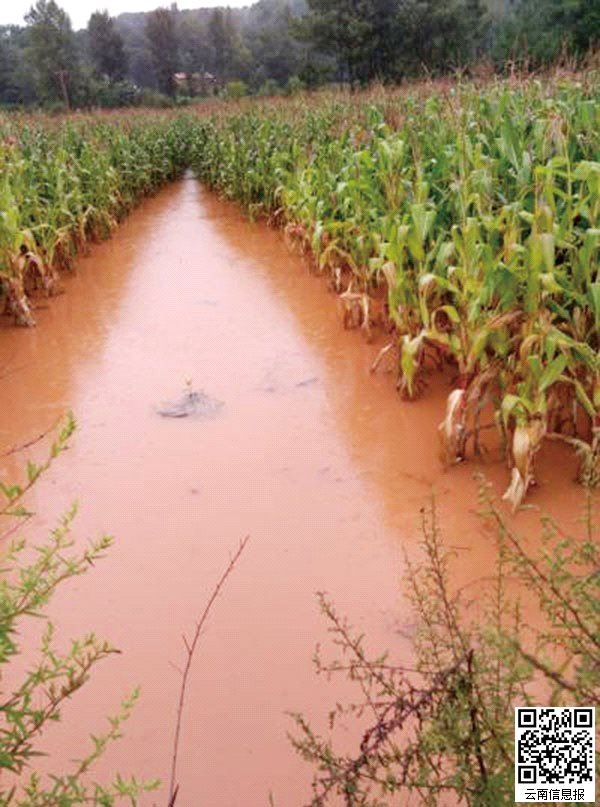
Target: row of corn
[(66, 183), (472, 219)]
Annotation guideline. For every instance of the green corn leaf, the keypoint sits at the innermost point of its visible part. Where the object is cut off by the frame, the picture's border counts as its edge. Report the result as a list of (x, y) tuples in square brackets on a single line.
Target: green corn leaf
[(552, 372), (594, 295), (582, 397)]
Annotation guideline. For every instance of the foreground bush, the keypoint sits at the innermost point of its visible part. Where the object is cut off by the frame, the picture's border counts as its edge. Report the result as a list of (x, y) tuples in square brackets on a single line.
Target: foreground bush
[(30, 576), (444, 724)]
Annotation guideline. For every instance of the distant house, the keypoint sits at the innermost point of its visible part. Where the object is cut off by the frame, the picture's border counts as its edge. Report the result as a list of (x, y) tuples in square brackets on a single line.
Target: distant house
[(203, 83)]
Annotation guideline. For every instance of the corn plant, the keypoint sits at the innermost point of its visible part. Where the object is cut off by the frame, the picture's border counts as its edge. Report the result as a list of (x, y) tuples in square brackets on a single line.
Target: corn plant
[(475, 214), (63, 186)]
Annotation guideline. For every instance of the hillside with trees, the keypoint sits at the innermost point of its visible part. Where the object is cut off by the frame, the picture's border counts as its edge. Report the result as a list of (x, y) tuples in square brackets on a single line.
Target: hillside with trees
[(276, 45)]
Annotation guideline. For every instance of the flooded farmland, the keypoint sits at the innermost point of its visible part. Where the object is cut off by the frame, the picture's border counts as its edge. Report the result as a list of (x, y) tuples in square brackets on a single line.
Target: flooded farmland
[(309, 454)]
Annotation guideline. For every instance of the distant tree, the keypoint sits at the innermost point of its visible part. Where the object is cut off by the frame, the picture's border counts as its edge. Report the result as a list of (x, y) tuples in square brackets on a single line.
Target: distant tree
[(140, 66), (16, 81), (220, 37), (105, 46), (240, 57), (235, 89), (276, 55), (342, 28), (51, 52), (161, 34), (5, 64), (230, 57), (539, 30), (440, 35), (194, 51), (581, 18), (388, 39)]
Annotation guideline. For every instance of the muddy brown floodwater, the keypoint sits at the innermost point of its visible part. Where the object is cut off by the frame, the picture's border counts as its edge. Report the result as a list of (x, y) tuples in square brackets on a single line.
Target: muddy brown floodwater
[(318, 461)]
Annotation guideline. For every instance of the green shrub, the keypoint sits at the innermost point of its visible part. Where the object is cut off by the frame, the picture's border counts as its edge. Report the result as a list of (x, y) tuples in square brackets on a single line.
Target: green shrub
[(294, 85), (443, 721), (235, 89), (112, 95), (30, 576), (154, 98), (55, 108), (268, 89)]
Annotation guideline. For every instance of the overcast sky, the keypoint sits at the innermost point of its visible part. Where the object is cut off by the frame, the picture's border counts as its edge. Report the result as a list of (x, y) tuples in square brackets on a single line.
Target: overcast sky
[(13, 11)]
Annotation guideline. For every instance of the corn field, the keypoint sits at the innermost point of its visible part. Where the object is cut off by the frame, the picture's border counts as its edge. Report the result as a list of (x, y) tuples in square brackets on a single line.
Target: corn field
[(467, 222), (66, 183)]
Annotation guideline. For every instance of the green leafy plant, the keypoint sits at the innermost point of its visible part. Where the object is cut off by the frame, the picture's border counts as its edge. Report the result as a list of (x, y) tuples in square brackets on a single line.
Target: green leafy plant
[(235, 89), (443, 722), (29, 578)]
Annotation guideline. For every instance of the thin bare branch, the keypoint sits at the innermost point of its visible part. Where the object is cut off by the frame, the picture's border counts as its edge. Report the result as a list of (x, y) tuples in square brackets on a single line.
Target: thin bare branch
[(191, 648), (18, 448)]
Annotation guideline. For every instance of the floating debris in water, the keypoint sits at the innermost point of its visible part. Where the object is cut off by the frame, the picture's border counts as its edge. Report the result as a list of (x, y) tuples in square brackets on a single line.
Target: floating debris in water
[(191, 403), (308, 381)]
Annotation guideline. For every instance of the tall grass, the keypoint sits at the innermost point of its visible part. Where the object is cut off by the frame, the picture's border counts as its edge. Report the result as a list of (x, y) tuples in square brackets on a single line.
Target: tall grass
[(475, 213)]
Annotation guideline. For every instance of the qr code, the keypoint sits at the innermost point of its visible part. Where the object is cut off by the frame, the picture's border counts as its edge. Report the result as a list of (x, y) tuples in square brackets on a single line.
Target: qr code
[(554, 754)]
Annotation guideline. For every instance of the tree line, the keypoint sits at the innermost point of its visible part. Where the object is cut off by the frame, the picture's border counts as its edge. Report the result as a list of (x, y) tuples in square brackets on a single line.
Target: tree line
[(276, 45)]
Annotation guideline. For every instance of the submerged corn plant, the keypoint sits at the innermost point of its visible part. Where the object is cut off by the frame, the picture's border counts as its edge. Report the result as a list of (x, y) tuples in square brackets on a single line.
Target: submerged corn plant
[(65, 185), (474, 216)]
